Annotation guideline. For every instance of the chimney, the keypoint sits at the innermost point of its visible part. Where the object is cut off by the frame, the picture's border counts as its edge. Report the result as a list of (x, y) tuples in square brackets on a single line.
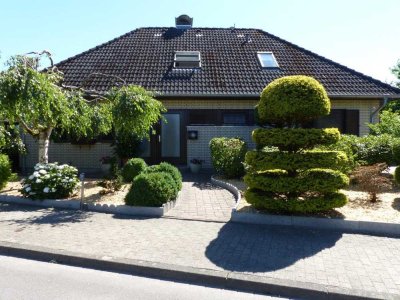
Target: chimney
[(183, 22)]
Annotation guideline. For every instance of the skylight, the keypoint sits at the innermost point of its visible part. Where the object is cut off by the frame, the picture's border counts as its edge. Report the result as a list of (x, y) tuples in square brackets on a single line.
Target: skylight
[(267, 60), (187, 59)]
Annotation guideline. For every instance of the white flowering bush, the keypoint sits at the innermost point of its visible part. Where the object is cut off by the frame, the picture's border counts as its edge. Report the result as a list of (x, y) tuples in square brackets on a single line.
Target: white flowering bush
[(50, 181)]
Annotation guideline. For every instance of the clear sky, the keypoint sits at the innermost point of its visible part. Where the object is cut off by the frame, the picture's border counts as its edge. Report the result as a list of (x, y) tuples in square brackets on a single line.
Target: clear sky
[(361, 34)]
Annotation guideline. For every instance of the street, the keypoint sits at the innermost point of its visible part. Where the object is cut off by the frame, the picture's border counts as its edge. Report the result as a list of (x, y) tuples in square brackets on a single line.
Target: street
[(27, 279)]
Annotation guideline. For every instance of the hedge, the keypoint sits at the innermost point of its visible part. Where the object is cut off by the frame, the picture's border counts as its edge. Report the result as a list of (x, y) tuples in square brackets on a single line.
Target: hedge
[(5, 170), (312, 180), (167, 168), (296, 138), (397, 175), (267, 201), (261, 160), (152, 189), (227, 156), (293, 100), (132, 168)]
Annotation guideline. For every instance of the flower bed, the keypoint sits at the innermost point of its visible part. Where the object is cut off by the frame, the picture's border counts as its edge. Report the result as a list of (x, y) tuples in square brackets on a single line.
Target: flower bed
[(387, 209)]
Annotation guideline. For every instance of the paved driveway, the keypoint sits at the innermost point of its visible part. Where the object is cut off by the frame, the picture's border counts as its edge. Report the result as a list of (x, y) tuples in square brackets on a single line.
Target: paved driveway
[(355, 261), (201, 200)]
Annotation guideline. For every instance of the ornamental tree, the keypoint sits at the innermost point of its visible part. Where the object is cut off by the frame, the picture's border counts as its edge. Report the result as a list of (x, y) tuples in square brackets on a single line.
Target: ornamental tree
[(40, 102), (286, 174)]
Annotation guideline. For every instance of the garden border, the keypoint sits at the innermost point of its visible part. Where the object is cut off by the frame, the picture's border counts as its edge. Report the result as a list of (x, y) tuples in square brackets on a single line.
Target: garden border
[(354, 226), (102, 208)]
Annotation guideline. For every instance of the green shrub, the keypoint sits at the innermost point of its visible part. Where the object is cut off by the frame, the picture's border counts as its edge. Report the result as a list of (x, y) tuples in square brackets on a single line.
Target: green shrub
[(132, 168), (397, 175), (389, 123), (292, 139), (376, 149), (293, 100), (227, 155), (5, 170), (50, 181), (261, 160), (311, 180), (267, 201), (167, 168), (152, 189)]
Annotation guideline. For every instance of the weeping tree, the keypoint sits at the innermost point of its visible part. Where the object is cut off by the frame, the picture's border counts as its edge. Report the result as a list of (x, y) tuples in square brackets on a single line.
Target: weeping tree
[(39, 102)]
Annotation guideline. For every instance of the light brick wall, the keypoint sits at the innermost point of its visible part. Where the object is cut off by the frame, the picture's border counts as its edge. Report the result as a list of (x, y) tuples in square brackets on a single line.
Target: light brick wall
[(199, 148), (84, 157)]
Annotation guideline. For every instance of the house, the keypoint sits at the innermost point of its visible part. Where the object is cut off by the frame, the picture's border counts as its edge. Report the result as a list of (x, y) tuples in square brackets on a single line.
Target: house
[(209, 79)]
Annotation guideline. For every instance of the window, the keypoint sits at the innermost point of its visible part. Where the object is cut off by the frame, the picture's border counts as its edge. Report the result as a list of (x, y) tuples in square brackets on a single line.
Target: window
[(346, 120), (234, 118), (187, 59), (267, 60), (203, 117)]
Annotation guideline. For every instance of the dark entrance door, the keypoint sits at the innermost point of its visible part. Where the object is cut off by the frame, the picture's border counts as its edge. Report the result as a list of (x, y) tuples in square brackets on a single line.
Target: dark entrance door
[(168, 140)]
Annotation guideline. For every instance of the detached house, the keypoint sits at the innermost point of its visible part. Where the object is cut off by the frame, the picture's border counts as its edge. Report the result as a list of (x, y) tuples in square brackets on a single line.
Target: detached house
[(209, 79)]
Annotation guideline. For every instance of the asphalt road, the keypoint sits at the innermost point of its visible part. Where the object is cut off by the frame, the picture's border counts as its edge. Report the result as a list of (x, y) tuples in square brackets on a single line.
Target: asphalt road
[(27, 279)]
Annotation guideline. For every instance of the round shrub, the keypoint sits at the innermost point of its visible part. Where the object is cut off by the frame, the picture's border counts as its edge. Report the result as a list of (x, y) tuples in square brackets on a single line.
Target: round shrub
[(132, 168), (397, 175), (50, 181), (151, 189), (293, 100), (167, 168), (227, 155), (5, 170)]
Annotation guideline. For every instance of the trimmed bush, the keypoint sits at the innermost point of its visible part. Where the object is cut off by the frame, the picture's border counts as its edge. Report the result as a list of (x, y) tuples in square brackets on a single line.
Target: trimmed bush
[(376, 149), (312, 180), (227, 155), (167, 168), (151, 189), (267, 201), (261, 160), (5, 170), (397, 175), (293, 100), (289, 139), (132, 168), (50, 181), (295, 177)]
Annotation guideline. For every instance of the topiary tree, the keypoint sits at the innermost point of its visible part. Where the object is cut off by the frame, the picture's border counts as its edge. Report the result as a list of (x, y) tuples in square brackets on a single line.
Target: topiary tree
[(133, 168), (286, 173)]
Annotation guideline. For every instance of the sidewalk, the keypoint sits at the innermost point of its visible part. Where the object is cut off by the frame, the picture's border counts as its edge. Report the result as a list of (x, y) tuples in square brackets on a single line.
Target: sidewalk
[(352, 262)]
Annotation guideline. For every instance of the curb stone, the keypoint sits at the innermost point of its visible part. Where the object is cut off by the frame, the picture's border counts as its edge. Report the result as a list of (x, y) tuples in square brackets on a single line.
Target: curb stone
[(207, 277), (102, 208)]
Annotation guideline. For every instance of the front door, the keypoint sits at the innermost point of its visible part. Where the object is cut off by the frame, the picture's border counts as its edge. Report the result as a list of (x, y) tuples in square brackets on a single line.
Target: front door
[(168, 140)]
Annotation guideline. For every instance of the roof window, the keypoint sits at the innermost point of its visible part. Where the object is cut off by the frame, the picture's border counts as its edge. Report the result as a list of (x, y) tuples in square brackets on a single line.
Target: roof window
[(187, 59), (267, 60)]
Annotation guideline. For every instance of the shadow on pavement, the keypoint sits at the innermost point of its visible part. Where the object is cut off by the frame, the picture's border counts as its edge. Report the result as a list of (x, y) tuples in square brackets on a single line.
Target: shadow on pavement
[(42, 215), (258, 248)]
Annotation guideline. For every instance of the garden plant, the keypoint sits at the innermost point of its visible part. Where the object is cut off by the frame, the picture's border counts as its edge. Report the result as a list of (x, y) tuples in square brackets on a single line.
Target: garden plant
[(286, 173)]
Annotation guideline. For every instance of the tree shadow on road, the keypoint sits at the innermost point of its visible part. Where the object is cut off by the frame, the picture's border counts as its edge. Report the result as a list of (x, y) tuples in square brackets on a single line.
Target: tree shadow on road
[(258, 248), (38, 215)]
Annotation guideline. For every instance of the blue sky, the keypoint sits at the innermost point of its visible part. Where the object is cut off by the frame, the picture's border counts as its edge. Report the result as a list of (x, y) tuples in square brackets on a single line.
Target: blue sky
[(361, 34)]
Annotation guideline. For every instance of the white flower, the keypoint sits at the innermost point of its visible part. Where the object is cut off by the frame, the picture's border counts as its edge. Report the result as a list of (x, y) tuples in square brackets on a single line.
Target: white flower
[(53, 190), (31, 177), (38, 180), (36, 174), (43, 172), (46, 190), (28, 189)]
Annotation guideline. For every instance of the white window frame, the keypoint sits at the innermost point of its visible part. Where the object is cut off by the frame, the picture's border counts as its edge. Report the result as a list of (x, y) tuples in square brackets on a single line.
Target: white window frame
[(187, 52), (260, 53)]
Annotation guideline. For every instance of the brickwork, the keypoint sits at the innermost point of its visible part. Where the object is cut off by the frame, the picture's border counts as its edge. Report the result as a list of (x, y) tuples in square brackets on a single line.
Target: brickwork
[(86, 158), (200, 148)]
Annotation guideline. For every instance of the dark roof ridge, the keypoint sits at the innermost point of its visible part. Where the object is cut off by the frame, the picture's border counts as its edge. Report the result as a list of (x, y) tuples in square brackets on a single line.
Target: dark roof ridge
[(367, 77)]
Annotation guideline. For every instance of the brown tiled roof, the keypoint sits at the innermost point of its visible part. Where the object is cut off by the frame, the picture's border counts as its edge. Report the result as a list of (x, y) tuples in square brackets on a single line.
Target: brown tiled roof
[(229, 64)]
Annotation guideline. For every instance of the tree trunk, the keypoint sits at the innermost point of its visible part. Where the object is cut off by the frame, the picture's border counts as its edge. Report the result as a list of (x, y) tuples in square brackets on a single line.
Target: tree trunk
[(44, 140)]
